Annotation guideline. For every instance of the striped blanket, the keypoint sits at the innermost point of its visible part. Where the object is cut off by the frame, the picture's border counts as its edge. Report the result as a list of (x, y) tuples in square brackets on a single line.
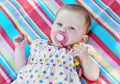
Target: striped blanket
[(35, 17)]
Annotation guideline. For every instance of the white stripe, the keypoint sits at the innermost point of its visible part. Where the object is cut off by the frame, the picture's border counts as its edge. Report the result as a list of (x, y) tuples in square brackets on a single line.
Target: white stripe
[(55, 4), (118, 1), (23, 19), (4, 76), (7, 66), (7, 47), (105, 56), (40, 13), (102, 81), (107, 73), (103, 11)]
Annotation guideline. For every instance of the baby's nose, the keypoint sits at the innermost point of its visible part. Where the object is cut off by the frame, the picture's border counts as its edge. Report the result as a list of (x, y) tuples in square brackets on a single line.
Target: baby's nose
[(62, 30)]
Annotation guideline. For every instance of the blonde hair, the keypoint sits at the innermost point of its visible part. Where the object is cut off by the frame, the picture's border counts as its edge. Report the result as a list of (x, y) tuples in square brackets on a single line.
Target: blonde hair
[(77, 8)]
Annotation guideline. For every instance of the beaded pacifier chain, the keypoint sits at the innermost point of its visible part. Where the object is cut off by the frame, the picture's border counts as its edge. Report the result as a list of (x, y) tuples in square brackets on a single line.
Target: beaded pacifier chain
[(76, 60)]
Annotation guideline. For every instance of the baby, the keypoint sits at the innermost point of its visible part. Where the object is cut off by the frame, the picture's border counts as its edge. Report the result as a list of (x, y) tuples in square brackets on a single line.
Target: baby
[(51, 62)]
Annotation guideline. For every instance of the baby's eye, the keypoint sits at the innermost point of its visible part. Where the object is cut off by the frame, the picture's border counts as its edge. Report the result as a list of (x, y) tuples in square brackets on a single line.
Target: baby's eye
[(59, 24), (72, 28)]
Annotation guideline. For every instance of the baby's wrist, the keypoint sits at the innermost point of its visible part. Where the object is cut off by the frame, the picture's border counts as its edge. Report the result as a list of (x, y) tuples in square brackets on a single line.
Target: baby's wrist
[(84, 57), (19, 47)]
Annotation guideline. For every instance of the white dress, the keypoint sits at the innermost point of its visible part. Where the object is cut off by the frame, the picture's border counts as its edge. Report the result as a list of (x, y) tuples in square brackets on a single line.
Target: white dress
[(48, 65)]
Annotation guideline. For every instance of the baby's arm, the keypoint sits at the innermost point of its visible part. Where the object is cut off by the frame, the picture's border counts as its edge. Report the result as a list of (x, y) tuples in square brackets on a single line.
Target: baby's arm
[(90, 68), (20, 58)]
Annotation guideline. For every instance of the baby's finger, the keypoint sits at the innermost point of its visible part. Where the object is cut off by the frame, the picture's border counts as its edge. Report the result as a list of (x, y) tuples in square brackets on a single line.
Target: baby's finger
[(25, 37), (18, 38)]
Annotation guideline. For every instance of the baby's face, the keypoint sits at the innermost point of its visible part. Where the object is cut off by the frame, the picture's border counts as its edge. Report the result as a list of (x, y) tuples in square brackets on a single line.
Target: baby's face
[(68, 28)]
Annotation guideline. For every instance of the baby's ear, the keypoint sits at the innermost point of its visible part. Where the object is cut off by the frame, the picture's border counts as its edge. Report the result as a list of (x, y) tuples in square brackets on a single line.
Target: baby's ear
[(84, 38)]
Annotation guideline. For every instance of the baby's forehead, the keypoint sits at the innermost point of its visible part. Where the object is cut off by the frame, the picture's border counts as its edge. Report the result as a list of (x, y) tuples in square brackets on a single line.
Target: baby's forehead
[(72, 14)]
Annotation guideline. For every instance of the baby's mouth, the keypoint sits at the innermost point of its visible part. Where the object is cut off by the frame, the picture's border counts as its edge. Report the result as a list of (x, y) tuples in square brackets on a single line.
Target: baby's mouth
[(61, 37)]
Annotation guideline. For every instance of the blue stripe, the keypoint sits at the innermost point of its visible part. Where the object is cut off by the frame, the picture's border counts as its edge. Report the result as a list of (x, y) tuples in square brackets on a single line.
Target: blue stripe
[(8, 27), (105, 72), (103, 15), (10, 30), (105, 37), (7, 66), (28, 20), (20, 21), (27, 50), (107, 76), (46, 9), (69, 1), (108, 10)]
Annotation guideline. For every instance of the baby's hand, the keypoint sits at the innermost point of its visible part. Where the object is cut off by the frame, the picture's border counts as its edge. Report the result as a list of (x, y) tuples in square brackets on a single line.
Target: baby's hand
[(20, 41), (81, 51)]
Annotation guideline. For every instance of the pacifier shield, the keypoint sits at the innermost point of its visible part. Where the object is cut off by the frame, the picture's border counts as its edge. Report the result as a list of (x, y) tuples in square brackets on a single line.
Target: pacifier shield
[(60, 37)]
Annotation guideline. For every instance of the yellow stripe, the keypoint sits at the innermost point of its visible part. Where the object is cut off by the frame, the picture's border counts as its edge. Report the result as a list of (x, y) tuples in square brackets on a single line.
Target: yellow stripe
[(111, 70), (32, 20), (50, 6), (100, 19), (7, 56), (17, 23)]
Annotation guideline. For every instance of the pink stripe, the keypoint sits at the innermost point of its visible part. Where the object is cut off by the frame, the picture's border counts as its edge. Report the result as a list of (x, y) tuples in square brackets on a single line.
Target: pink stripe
[(35, 17), (4, 76), (105, 27), (15, 26), (105, 56), (117, 23), (2, 80), (42, 13), (6, 37), (114, 5), (59, 2), (118, 1), (6, 46), (103, 79), (24, 19), (105, 48)]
